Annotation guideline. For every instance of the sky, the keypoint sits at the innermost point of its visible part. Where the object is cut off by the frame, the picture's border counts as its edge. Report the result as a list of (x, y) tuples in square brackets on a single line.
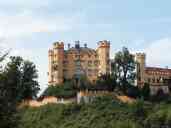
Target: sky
[(29, 27)]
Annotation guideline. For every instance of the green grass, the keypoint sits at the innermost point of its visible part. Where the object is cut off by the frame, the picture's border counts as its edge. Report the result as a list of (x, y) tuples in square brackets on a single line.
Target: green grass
[(104, 112)]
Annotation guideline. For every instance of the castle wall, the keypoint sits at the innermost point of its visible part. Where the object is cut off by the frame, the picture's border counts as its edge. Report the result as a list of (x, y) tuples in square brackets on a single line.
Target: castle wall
[(154, 89)]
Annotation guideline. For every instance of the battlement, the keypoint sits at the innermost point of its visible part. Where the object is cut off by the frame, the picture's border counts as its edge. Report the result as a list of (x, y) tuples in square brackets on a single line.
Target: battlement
[(58, 45), (140, 55), (50, 52), (104, 43)]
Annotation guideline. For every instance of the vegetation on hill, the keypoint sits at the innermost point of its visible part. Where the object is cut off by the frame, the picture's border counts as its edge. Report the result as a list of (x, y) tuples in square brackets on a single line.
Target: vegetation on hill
[(101, 113), (104, 112)]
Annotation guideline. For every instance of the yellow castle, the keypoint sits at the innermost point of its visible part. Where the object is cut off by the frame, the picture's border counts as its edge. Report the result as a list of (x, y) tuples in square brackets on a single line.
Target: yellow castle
[(77, 60)]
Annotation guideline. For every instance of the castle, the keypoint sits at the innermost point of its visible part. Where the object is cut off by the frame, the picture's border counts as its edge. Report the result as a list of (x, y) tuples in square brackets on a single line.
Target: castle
[(77, 61), (158, 78)]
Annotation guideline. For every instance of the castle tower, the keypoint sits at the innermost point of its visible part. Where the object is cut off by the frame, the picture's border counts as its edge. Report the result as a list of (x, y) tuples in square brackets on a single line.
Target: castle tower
[(50, 67), (56, 57), (103, 51), (140, 59)]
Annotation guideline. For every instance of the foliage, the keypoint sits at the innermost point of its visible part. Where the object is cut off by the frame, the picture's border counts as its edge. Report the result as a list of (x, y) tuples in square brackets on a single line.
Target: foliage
[(161, 117), (133, 91), (102, 113), (65, 90), (84, 83), (106, 82), (30, 85), (8, 110), (145, 91), (21, 76), (17, 82), (123, 68)]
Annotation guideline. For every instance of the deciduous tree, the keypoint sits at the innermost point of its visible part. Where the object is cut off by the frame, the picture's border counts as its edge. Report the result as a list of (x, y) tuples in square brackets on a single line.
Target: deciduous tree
[(123, 68)]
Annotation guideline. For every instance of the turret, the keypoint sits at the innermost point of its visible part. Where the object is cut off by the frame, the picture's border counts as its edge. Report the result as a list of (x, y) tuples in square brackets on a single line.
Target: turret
[(56, 63), (140, 59), (104, 56)]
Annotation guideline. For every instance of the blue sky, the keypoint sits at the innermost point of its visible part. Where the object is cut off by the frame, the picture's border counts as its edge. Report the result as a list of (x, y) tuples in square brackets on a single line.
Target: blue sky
[(29, 27)]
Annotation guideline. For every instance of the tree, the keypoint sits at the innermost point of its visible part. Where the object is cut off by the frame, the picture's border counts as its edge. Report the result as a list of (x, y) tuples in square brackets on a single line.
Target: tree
[(106, 82), (145, 91), (22, 78), (123, 68), (18, 80), (7, 101), (30, 85)]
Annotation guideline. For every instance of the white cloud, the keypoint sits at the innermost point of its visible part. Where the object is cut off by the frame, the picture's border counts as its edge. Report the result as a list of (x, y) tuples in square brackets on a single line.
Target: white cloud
[(159, 53), (21, 25), (14, 29)]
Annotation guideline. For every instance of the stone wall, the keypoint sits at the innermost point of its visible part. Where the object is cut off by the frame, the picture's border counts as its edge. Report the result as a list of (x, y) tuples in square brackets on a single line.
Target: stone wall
[(47, 100), (154, 89)]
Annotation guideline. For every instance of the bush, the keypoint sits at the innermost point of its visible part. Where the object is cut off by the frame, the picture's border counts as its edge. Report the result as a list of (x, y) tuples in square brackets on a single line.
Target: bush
[(132, 91), (65, 90), (161, 117)]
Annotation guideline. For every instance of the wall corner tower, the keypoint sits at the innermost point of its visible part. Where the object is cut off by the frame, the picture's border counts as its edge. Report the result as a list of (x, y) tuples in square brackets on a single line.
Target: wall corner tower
[(103, 51), (56, 57), (140, 59)]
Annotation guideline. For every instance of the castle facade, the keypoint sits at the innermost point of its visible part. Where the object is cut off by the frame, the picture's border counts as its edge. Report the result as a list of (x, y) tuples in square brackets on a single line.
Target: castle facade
[(77, 61)]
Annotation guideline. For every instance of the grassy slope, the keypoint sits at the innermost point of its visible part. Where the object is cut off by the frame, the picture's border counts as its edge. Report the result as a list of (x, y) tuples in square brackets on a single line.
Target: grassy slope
[(103, 113)]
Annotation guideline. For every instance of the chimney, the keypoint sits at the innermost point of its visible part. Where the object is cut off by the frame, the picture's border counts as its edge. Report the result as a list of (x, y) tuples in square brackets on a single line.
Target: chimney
[(77, 44), (85, 45), (69, 45)]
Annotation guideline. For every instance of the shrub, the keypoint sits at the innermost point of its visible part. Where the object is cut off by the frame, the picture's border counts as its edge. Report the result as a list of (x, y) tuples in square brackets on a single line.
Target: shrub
[(65, 90)]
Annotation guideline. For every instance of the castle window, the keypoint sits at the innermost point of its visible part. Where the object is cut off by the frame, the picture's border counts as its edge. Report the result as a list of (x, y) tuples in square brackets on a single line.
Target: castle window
[(96, 56), (89, 70), (153, 80), (76, 56), (89, 63), (96, 62), (108, 62), (65, 62), (158, 80), (107, 54), (54, 62), (55, 67), (65, 55), (82, 61)]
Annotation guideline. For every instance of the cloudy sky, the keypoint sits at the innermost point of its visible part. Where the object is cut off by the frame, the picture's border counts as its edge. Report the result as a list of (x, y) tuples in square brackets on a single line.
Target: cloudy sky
[(29, 27)]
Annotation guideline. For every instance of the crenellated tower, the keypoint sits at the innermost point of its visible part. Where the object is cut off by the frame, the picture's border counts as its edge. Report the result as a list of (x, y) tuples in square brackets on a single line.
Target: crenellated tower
[(56, 57), (140, 59), (103, 51)]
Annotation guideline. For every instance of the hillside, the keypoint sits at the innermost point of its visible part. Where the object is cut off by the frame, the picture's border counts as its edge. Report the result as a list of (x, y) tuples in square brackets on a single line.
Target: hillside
[(102, 113)]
